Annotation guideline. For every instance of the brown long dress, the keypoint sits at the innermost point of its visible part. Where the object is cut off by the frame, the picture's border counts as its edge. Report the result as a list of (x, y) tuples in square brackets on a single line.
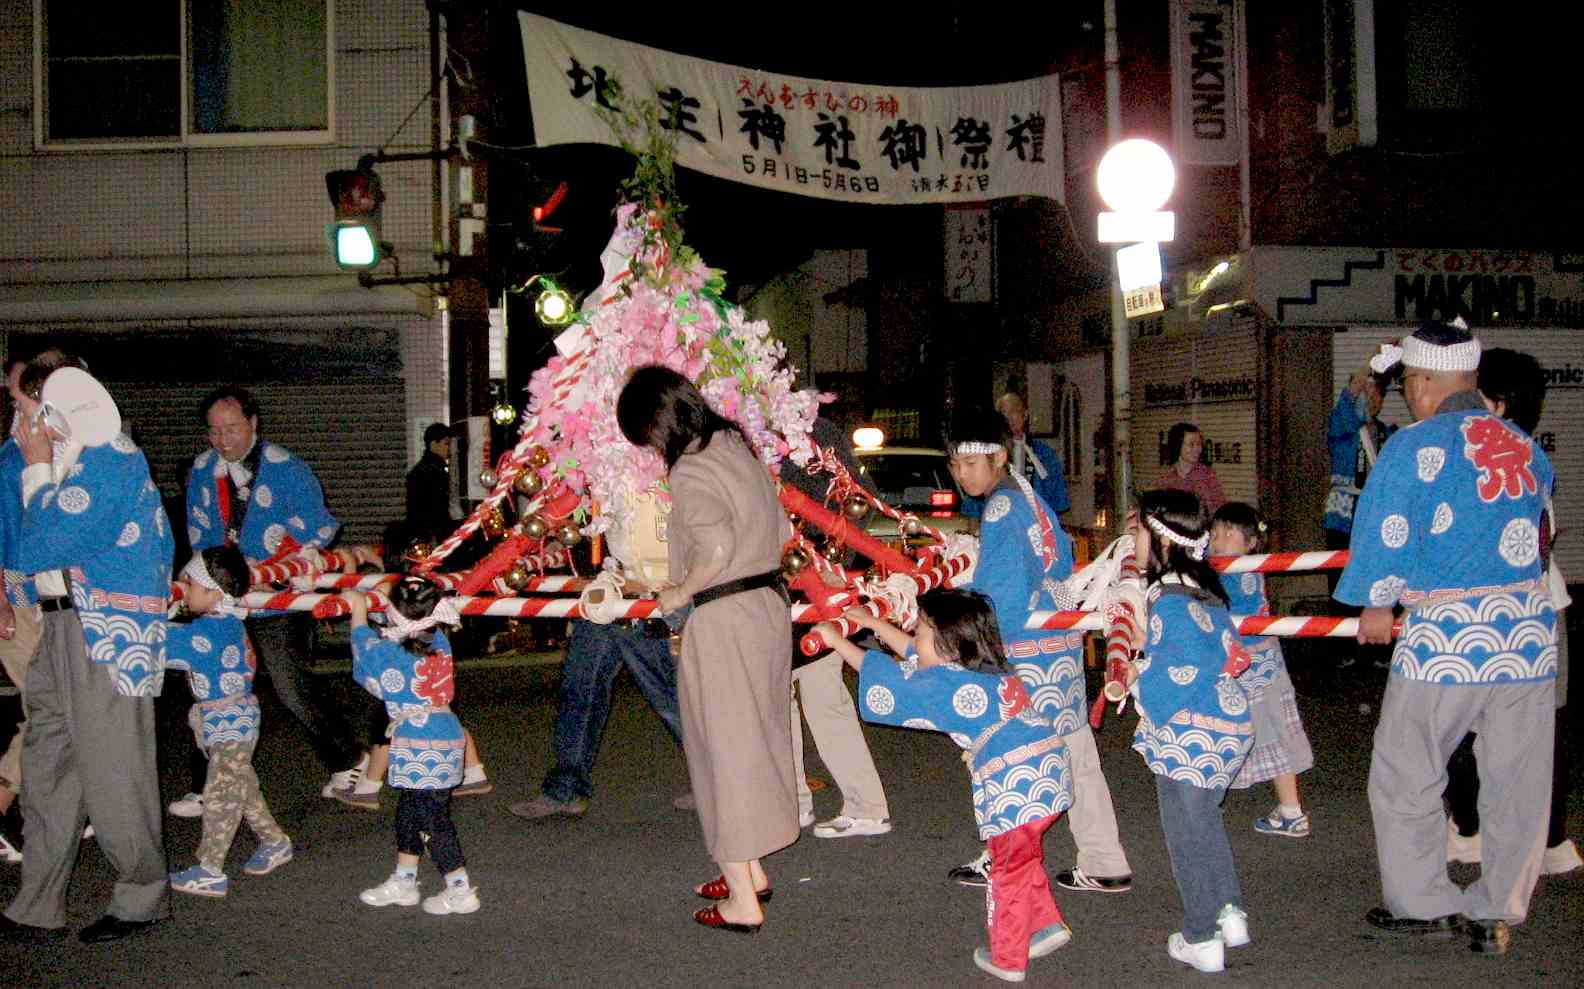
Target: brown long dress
[(734, 677)]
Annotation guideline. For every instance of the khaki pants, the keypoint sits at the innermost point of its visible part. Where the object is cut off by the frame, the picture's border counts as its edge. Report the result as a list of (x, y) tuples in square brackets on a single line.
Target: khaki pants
[(15, 655)]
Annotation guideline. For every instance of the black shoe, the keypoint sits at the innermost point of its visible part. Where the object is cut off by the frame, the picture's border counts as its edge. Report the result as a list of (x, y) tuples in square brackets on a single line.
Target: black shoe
[(1079, 881), (108, 928), (17, 933), (1487, 937), (975, 873), (1383, 920)]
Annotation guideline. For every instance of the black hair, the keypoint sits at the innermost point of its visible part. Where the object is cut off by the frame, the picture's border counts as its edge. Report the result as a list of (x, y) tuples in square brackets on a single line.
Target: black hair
[(976, 424), (434, 433), (663, 410), (234, 393), (965, 628), (1174, 441), (1517, 380), (415, 599), (1180, 512), (1442, 334), (229, 568), (1244, 518), (38, 370)]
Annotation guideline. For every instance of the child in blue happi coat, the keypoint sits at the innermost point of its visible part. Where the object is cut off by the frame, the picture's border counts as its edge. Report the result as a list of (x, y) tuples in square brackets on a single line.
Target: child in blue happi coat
[(953, 678), (1194, 729), (408, 665), (212, 647), (1281, 748)]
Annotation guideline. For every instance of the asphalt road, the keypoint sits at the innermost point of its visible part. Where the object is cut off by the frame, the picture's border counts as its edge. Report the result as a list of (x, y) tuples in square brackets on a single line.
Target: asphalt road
[(605, 901)]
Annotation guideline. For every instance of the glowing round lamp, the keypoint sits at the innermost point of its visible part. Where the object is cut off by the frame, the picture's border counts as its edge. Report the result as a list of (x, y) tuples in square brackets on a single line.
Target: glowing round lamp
[(554, 306), (1136, 176), (503, 414), (868, 438)]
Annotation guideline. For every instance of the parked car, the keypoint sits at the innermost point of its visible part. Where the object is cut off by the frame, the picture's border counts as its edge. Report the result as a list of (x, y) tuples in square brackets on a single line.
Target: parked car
[(912, 479)]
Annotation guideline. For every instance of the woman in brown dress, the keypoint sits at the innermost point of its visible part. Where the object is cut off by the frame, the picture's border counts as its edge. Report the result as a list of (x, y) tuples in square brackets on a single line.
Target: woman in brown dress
[(733, 679)]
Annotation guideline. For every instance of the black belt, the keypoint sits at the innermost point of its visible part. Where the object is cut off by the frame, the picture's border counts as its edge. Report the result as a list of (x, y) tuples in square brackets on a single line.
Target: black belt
[(769, 579), (48, 605)]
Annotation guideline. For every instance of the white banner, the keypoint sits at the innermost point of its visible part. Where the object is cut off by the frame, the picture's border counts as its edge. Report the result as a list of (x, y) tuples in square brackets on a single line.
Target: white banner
[(967, 253), (1207, 38), (833, 140)]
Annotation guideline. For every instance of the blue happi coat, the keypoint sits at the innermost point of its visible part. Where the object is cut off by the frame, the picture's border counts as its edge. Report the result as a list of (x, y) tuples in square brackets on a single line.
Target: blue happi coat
[(286, 501), (1194, 724), (426, 741), (1349, 464), (1246, 594), (1023, 556), (1019, 767), (18, 588), (1449, 526), (213, 650), (104, 524)]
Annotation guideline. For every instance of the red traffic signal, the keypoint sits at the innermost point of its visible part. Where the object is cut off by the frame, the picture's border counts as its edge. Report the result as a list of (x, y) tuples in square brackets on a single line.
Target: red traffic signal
[(542, 212), (354, 192)]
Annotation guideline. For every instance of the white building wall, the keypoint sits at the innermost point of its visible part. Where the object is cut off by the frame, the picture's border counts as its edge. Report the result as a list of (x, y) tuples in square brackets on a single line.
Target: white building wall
[(819, 336)]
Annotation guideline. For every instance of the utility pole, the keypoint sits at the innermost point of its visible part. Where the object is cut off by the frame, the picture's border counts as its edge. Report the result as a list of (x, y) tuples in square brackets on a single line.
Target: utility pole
[(468, 98)]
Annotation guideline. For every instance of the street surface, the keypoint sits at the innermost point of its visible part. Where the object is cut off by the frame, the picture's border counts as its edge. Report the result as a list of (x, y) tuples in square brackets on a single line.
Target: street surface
[(606, 900)]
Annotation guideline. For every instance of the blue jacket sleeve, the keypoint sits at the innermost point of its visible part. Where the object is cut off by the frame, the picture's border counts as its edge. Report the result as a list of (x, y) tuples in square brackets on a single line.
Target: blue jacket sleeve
[(1053, 488), (64, 524), (1344, 421)]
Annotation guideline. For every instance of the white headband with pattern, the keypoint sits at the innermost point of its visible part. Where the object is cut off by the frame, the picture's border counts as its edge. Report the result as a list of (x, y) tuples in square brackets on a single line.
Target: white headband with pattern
[(196, 572), (974, 446), (399, 628), (1196, 547), (1414, 352)]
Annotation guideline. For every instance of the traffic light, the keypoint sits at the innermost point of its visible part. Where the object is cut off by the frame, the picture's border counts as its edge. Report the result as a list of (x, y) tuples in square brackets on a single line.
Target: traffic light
[(355, 235)]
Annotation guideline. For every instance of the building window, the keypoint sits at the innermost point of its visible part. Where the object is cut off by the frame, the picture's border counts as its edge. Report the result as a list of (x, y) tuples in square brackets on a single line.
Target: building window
[(195, 72)]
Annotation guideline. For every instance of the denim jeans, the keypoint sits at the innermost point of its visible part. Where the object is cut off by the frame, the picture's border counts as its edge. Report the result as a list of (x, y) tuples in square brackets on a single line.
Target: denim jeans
[(594, 657), (1201, 856)]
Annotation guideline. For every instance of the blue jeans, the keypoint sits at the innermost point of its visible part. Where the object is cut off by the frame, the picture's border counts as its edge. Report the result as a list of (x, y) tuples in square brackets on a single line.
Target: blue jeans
[(1201, 856), (596, 654)]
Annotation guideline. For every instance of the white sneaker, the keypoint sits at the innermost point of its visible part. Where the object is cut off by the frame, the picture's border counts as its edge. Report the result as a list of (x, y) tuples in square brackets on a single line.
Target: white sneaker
[(1234, 926), (345, 779), (1461, 849), (400, 890), (1206, 956), (189, 806), (1049, 939), (1560, 858), (452, 899), (9, 852), (843, 826)]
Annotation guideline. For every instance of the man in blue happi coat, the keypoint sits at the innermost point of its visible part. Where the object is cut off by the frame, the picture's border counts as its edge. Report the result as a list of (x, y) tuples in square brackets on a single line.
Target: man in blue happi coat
[(1451, 526)]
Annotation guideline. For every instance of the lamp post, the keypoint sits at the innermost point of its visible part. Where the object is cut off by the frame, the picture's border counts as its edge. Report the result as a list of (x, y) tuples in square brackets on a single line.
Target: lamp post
[(1136, 179)]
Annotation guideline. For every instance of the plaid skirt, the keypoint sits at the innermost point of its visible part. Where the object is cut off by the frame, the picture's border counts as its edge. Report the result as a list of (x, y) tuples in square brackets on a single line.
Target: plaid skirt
[(1280, 745)]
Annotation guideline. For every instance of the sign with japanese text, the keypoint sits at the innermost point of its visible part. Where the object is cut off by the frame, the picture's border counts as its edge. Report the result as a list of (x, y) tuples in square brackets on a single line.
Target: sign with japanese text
[(1143, 301), (967, 253), (849, 141), (1207, 57)]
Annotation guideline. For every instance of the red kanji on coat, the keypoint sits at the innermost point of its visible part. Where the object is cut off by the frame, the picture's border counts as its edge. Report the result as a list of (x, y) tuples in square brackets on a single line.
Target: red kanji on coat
[(1501, 456), (432, 681)]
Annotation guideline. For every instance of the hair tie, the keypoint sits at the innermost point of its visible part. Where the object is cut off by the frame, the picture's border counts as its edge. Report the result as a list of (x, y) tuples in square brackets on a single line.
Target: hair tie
[(398, 627), (1196, 547)]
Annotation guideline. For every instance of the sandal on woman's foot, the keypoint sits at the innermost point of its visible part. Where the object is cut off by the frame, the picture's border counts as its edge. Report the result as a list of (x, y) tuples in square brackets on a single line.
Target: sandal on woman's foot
[(711, 917), (716, 889)]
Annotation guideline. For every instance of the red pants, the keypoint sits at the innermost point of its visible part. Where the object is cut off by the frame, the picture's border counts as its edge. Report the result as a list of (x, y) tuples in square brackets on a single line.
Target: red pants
[(1018, 900)]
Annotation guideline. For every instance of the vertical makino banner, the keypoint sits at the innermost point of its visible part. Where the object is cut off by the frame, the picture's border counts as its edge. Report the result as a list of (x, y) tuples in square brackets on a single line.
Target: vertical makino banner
[(850, 141), (1207, 55)]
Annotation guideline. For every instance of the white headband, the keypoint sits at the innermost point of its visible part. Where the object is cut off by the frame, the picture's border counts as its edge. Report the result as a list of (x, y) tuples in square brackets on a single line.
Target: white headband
[(1414, 352), (196, 572), (972, 447), (1196, 547), (398, 627)]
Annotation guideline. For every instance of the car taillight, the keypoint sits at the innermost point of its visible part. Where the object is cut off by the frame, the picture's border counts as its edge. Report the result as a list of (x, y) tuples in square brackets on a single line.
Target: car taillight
[(943, 499)]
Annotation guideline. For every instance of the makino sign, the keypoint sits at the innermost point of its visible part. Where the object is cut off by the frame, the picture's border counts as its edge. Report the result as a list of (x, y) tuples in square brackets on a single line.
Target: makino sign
[(833, 140)]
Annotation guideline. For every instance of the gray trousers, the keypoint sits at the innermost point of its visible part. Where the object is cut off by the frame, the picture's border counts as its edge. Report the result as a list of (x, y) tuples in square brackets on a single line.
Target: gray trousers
[(1092, 817), (1421, 723), (88, 755)]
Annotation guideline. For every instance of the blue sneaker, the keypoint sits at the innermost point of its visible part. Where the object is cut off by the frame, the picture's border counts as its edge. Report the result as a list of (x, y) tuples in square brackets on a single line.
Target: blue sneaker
[(267, 858), (1284, 827), (199, 881), (1045, 941)]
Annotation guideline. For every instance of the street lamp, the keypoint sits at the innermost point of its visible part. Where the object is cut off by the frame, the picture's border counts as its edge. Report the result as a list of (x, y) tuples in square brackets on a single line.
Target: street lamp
[(1136, 179)]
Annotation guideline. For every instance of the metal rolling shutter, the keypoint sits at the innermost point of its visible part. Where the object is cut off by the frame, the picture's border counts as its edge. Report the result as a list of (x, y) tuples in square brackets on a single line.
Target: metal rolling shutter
[(1561, 422), (1210, 380), (351, 431)]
